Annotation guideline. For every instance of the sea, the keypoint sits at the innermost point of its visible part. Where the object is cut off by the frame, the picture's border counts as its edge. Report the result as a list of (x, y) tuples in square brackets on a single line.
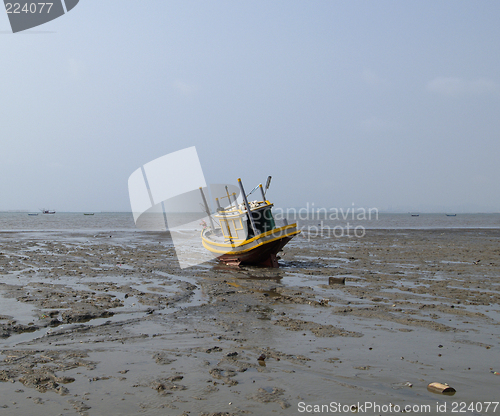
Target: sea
[(124, 221)]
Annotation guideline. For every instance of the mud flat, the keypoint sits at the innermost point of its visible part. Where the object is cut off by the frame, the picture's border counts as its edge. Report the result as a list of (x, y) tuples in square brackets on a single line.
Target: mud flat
[(106, 323)]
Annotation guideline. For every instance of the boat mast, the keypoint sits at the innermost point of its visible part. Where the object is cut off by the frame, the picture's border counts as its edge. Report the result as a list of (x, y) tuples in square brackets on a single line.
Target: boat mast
[(229, 198), (268, 183), (207, 210), (245, 200), (262, 192)]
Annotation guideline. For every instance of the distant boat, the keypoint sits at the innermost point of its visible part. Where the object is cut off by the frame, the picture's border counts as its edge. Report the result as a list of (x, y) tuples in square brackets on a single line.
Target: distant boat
[(451, 215), (33, 214), (48, 211), (415, 215), (88, 213)]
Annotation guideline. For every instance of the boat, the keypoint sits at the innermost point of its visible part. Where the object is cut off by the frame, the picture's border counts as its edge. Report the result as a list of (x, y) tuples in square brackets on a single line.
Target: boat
[(33, 213), (236, 238), (47, 211), (415, 215), (88, 213), (451, 215)]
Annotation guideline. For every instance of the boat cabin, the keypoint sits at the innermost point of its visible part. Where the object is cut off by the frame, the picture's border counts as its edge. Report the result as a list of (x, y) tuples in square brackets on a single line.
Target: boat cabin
[(237, 226)]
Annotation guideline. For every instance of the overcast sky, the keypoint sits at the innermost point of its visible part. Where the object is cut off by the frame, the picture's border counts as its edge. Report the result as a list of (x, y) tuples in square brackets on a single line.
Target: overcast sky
[(386, 104)]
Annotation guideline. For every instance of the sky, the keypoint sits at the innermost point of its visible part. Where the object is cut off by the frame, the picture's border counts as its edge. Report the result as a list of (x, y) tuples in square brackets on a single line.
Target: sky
[(382, 104)]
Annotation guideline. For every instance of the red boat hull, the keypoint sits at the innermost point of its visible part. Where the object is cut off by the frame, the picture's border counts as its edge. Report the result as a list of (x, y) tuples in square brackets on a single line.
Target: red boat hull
[(264, 255)]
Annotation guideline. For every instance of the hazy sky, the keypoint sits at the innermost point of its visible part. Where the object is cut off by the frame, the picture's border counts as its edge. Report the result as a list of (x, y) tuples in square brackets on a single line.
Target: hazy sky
[(387, 104)]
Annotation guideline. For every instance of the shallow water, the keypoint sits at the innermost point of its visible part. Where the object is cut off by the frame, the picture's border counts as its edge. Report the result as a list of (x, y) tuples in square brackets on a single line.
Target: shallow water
[(327, 224)]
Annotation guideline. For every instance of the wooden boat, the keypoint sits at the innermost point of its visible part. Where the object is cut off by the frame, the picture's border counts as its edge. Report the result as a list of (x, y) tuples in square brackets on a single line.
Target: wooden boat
[(33, 214), (47, 211), (451, 215), (235, 237)]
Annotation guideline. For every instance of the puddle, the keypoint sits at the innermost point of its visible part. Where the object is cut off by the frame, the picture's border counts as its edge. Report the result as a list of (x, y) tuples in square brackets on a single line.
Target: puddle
[(15, 340), (22, 313)]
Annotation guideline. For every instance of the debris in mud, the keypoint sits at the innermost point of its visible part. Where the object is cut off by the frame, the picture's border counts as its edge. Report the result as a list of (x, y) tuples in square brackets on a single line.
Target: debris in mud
[(336, 280), (442, 388)]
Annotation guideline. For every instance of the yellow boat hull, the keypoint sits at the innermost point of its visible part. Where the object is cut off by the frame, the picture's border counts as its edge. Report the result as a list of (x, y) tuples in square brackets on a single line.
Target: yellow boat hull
[(260, 250)]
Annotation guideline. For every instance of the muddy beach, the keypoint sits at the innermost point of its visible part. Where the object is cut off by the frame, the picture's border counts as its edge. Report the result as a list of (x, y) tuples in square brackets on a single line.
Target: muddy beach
[(95, 323)]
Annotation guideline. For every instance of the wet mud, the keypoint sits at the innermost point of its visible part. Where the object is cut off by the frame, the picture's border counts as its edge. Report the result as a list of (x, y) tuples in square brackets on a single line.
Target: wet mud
[(108, 323)]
